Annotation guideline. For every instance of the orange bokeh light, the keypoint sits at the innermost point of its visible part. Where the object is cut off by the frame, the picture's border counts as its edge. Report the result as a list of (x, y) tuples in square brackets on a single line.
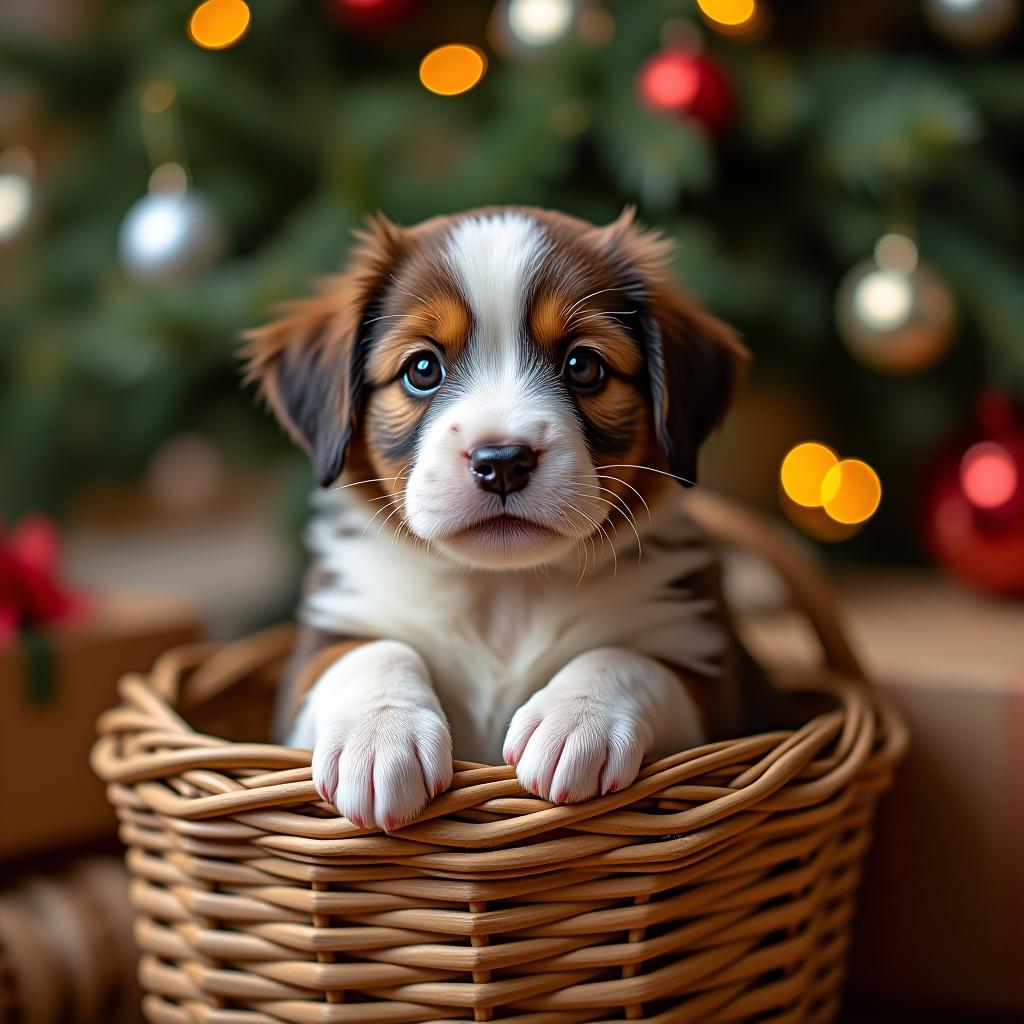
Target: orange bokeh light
[(218, 24)]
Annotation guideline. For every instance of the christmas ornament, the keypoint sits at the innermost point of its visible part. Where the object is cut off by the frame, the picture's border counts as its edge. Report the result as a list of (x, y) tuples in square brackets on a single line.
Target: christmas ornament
[(218, 24), (895, 313), (972, 505), (539, 22), (687, 84), (16, 170), (971, 24), (172, 234), (373, 15)]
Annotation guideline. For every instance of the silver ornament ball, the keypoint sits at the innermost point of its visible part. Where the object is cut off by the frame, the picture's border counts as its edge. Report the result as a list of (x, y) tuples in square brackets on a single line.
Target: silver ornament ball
[(170, 237), (894, 313), (971, 24)]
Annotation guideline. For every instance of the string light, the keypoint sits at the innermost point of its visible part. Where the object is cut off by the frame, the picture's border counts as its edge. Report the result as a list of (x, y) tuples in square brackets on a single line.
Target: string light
[(988, 475), (218, 24), (846, 492), (539, 22), (803, 472), (851, 492), (452, 69), (730, 13)]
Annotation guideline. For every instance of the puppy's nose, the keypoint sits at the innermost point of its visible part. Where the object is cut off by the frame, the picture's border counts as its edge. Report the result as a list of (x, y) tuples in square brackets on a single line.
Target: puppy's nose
[(502, 469)]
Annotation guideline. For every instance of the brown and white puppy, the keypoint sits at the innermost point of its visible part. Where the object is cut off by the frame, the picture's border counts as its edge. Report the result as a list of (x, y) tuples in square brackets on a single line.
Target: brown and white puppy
[(503, 568)]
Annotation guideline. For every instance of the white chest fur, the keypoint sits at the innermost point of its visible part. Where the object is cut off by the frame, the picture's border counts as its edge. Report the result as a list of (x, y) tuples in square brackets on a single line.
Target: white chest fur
[(492, 639)]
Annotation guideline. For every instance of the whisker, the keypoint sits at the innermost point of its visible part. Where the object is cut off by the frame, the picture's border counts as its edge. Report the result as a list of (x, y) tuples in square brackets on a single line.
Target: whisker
[(622, 506), (650, 469), (397, 508), (630, 520), (606, 476), (360, 483), (604, 534), (604, 312), (383, 508), (577, 304)]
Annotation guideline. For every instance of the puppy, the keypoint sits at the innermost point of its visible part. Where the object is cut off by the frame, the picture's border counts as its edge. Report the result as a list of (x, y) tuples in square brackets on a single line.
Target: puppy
[(500, 406)]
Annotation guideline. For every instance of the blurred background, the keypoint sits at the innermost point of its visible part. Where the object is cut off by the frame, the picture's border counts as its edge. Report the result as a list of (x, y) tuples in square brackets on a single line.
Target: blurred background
[(843, 182)]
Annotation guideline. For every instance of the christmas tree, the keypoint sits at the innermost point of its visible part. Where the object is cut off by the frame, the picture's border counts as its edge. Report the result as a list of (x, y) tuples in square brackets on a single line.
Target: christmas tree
[(781, 146)]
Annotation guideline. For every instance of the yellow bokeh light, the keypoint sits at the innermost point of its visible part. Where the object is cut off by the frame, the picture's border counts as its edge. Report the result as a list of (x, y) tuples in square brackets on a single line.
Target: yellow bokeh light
[(851, 491), (217, 24), (452, 69), (803, 472), (728, 12)]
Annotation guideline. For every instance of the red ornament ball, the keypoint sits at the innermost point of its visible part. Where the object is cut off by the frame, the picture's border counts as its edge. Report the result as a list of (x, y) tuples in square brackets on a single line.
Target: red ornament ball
[(689, 85), (372, 15), (973, 502)]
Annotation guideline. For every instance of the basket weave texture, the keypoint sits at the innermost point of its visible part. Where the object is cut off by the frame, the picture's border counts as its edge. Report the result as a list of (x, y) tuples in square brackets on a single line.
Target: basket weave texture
[(719, 887)]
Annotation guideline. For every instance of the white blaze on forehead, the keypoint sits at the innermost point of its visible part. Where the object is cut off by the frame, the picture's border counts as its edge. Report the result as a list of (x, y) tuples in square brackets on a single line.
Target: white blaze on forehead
[(494, 259)]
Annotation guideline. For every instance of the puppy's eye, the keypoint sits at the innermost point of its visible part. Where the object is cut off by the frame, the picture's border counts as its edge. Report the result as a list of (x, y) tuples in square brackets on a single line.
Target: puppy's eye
[(423, 373), (584, 370)]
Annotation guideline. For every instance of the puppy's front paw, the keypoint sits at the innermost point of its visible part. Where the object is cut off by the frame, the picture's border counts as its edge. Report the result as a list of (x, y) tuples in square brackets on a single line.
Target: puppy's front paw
[(571, 748), (380, 764)]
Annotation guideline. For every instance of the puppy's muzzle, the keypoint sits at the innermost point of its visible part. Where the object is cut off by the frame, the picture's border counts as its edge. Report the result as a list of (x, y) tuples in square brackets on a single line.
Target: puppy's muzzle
[(502, 469)]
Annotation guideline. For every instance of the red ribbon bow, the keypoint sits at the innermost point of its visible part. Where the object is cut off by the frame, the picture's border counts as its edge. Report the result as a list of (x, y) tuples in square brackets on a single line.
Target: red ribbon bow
[(30, 592)]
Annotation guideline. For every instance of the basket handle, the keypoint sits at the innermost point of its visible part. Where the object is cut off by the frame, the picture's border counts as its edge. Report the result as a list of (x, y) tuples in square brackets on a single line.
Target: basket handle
[(731, 524)]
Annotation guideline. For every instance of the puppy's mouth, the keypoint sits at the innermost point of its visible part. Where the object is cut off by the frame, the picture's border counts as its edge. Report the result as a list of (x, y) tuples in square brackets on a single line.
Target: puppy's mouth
[(504, 528)]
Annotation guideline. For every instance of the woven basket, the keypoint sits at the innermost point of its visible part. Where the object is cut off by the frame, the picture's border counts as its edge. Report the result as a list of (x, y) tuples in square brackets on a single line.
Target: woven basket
[(720, 886)]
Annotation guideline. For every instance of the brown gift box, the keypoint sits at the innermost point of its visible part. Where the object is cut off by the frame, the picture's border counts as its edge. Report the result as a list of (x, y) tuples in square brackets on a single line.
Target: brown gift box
[(53, 685), (941, 923)]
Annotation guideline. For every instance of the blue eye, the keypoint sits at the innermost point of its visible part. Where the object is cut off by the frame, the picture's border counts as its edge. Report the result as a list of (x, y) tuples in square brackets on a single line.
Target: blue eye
[(423, 373), (584, 370)]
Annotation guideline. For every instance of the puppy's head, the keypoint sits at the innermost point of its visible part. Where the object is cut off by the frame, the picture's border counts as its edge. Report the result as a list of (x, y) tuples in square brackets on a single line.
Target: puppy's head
[(510, 377)]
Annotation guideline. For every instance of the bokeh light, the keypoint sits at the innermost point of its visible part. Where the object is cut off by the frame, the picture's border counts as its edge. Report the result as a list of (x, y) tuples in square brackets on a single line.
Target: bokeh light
[(170, 177), (452, 69), (988, 475), (158, 96), (851, 491), (731, 13), (884, 299), (803, 472), (217, 24), (539, 22), (669, 81), (15, 203), (897, 252)]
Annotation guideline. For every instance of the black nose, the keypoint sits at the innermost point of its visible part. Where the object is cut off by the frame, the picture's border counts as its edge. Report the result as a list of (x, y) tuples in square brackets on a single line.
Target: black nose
[(502, 469)]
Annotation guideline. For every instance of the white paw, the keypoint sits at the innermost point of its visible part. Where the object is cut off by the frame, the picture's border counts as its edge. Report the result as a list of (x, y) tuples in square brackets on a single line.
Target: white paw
[(571, 748), (381, 745), (380, 765)]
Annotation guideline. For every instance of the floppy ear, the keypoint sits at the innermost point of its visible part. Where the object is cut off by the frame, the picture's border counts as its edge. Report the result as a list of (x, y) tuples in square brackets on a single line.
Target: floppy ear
[(309, 362), (694, 361)]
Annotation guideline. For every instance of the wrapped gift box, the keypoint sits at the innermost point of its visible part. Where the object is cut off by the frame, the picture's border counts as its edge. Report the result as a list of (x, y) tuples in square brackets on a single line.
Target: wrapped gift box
[(942, 918), (54, 682)]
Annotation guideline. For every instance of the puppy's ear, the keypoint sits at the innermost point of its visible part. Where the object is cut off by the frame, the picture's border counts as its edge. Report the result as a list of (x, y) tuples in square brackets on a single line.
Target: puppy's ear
[(309, 362), (694, 361)]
